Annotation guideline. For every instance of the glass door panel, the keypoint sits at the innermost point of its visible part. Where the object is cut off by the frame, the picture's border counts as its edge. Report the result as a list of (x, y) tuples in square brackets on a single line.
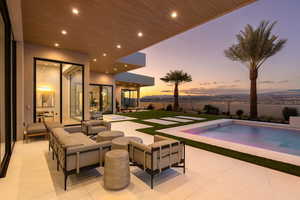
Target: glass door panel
[(47, 91), (72, 94), (94, 98), (107, 104), (2, 89), (100, 99), (129, 98)]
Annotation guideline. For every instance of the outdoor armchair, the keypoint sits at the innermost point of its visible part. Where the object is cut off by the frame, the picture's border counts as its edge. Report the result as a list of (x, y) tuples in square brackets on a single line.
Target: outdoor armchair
[(163, 154), (93, 127)]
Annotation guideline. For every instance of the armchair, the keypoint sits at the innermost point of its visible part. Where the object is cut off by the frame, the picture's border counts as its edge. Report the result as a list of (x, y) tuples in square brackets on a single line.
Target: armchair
[(163, 154), (93, 127)]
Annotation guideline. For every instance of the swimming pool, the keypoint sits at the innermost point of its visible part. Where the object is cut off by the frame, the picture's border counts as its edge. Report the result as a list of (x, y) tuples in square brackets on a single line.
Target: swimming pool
[(275, 139)]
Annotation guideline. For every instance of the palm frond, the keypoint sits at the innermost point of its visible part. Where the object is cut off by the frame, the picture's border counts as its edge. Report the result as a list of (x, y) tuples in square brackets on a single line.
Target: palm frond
[(255, 45)]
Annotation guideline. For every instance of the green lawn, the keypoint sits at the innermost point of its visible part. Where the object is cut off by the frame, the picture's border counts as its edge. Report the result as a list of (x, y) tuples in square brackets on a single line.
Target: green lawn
[(155, 114)]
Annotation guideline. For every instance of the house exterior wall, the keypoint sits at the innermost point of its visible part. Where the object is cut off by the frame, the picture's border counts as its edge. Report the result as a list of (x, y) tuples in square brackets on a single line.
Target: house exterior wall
[(30, 52)]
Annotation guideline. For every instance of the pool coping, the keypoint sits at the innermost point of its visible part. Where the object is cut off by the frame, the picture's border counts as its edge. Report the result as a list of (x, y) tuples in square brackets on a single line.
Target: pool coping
[(256, 151)]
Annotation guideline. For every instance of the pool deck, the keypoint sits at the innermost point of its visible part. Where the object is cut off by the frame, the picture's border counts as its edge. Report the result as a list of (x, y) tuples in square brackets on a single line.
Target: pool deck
[(32, 175), (274, 155)]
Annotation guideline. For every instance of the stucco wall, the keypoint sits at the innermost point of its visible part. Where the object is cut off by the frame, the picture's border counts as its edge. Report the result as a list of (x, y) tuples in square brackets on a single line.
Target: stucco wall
[(31, 51)]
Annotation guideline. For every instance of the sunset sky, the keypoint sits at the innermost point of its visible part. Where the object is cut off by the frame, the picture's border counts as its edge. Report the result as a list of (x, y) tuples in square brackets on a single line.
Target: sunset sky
[(200, 52)]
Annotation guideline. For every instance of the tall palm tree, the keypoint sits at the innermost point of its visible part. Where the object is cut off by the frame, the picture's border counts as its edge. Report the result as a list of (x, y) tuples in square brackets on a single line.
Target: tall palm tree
[(254, 46), (176, 77)]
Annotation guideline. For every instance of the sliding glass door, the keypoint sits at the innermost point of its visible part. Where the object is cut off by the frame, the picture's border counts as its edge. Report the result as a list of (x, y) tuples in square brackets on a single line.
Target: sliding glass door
[(129, 98), (47, 91), (72, 93), (7, 89), (2, 89), (58, 92), (101, 99)]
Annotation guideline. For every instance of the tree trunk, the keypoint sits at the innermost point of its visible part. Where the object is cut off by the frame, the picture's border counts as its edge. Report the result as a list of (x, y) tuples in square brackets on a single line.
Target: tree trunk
[(176, 103), (253, 94)]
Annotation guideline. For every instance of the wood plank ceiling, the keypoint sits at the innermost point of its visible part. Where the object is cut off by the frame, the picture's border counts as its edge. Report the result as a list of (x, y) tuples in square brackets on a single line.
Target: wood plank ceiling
[(101, 25)]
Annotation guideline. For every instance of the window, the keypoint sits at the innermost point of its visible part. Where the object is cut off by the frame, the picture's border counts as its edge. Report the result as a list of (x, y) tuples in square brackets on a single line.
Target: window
[(7, 89), (2, 89), (129, 98), (101, 99), (58, 92)]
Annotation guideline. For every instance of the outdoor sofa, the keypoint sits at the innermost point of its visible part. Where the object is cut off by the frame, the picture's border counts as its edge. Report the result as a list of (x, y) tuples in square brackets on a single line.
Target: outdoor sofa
[(75, 152), (163, 154)]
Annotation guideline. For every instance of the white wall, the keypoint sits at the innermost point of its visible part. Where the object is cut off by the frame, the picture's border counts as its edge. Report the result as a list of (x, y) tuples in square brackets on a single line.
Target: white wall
[(31, 51)]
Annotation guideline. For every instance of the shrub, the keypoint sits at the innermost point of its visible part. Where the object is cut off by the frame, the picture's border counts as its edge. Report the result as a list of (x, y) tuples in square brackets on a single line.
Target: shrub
[(169, 108), (209, 109), (240, 113), (288, 112), (150, 107)]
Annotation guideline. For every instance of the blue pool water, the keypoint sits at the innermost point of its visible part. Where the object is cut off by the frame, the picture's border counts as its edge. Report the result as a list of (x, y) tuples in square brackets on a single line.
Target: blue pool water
[(275, 139)]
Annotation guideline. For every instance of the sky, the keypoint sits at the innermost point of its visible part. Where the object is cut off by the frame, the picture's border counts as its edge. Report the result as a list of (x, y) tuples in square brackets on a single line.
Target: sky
[(200, 52)]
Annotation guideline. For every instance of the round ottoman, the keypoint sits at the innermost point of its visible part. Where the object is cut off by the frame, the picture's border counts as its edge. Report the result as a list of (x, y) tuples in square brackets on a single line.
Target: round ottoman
[(109, 135), (116, 170), (122, 142)]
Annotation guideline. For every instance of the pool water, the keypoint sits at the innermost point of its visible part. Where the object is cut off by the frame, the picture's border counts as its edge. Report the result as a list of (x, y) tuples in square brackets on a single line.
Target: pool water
[(275, 139)]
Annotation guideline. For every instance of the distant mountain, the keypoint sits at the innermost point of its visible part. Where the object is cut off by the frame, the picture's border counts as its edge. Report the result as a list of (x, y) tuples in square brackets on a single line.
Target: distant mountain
[(266, 97)]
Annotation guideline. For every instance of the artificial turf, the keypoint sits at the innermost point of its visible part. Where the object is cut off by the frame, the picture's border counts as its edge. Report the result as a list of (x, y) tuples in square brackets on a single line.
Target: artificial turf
[(154, 130)]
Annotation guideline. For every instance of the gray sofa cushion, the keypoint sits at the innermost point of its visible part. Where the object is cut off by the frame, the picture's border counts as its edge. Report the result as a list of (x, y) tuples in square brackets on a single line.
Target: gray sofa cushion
[(52, 125), (97, 129), (36, 128), (94, 122)]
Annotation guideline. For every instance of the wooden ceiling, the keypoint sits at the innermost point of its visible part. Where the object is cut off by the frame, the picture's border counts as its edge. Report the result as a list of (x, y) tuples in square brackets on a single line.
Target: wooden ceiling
[(103, 24)]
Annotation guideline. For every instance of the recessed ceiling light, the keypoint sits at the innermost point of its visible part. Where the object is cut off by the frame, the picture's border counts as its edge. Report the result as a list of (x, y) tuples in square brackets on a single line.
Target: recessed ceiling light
[(94, 59), (119, 46), (115, 69), (125, 65), (174, 14), (140, 34), (75, 11), (56, 44), (104, 54), (64, 32)]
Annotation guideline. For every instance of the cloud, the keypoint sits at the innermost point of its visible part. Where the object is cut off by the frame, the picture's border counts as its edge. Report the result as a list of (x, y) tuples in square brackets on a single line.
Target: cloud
[(204, 83), (220, 90), (237, 81), (284, 81), (266, 82)]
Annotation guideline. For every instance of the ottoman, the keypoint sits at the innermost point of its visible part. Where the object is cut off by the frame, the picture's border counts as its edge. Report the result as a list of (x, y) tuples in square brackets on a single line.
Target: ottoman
[(116, 170), (109, 135), (122, 142)]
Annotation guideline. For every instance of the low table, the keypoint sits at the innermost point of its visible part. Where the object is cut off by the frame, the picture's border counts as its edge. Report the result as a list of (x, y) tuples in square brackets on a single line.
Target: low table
[(122, 142), (116, 170), (109, 135)]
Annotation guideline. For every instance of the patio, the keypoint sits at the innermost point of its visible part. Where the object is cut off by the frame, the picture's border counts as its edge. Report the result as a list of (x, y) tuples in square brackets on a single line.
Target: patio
[(32, 175)]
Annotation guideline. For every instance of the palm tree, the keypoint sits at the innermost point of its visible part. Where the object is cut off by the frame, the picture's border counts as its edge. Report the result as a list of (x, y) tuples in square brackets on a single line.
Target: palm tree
[(176, 77), (254, 46)]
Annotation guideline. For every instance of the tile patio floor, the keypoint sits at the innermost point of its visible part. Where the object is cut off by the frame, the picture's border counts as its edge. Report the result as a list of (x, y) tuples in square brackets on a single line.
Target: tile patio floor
[(32, 175)]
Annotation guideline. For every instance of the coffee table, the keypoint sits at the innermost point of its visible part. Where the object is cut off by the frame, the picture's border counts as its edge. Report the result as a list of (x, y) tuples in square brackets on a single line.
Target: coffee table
[(109, 135), (122, 142)]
